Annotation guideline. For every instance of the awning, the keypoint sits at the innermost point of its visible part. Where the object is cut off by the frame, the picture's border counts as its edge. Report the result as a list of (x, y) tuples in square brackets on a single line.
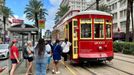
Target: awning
[(22, 29)]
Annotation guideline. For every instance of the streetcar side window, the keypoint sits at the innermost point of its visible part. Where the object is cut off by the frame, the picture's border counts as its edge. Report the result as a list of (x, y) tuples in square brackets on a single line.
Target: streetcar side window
[(98, 31), (85, 30), (108, 30)]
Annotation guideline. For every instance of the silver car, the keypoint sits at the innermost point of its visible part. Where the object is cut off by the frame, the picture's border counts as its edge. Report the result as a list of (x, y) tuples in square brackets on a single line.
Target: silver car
[(4, 51)]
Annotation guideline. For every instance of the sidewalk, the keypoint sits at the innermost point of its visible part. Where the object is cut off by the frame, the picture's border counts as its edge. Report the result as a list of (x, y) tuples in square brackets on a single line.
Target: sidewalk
[(21, 69)]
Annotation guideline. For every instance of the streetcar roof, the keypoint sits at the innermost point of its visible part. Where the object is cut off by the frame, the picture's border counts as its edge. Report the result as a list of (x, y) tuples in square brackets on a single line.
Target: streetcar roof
[(94, 12)]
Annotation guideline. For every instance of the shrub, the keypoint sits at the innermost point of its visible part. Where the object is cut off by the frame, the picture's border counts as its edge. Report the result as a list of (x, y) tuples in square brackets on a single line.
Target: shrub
[(124, 47)]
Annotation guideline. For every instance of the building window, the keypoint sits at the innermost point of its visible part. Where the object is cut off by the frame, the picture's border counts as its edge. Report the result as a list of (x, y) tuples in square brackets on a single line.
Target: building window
[(123, 13), (85, 30), (98, 31), (108, 30), (123, 25), (123, 3), (115, 16), (114, 6), (114, 25)]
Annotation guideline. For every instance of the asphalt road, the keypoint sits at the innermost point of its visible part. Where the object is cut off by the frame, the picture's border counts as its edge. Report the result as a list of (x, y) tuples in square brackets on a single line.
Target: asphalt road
[(120, 65)]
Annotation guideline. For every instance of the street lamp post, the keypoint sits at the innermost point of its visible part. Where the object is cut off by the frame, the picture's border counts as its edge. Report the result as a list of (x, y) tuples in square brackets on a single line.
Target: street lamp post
[(41, 16), (4, 35)]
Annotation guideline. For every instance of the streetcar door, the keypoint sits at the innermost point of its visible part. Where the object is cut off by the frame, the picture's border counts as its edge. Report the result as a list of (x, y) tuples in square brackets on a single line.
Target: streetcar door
[(74, 39)]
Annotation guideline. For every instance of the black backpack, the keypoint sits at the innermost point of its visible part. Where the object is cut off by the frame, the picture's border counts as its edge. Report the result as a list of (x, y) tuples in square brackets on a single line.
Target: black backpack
[(25, 53)]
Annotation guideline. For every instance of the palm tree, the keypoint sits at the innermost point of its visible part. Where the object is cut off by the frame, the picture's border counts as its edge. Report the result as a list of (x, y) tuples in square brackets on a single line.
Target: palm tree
[(32, 10), (6, 12), (129, 10), (128, 20), (104, 7), (61, 12), (132, 20)]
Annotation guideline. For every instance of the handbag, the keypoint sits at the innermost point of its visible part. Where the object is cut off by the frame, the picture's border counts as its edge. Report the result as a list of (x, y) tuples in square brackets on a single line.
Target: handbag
[(25, 53)]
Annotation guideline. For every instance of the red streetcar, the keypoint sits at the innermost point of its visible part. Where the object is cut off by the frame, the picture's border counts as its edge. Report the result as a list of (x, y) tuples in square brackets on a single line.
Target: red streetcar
[(90, 33)]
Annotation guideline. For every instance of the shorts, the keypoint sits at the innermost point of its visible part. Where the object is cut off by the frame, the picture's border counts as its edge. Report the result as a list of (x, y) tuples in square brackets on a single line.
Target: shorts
[(56, 61), (64, 56), (49, 60), (30, 59), (14, 61)]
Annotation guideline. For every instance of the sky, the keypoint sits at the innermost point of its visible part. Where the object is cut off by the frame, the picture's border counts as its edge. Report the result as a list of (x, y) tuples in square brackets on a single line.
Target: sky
[(18, 7)]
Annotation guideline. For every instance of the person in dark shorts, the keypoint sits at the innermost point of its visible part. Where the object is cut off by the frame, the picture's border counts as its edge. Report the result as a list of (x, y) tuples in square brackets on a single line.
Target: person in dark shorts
[(14, 56), (30, 57), (57, 51)]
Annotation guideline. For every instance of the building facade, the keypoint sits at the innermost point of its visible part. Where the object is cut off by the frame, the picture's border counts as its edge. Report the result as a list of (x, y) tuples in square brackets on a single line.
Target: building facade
[(75, 4), (118, 10), (8, 24)]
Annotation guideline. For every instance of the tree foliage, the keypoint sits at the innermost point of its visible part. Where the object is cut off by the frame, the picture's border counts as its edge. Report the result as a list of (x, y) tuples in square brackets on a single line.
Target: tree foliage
[(104, 7), (32, 10), (61, 12), (6, 12)]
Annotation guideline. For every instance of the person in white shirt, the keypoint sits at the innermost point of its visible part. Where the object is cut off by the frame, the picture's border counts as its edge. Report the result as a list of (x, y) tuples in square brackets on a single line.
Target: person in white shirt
[(65, 45), (49, 53)]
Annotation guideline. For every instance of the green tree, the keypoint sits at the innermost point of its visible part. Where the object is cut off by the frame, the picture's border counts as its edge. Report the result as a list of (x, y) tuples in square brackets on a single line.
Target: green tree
[(33, 9), (61, 12), (6, 12), (129, 11), (104, 7)]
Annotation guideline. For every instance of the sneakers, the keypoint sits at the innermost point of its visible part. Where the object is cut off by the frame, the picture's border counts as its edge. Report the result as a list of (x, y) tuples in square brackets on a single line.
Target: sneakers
[(58, 72), (53, 72)]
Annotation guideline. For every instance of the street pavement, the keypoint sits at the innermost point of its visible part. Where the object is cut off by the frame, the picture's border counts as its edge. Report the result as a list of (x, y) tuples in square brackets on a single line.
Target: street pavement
[(120, 65), (21, 69)]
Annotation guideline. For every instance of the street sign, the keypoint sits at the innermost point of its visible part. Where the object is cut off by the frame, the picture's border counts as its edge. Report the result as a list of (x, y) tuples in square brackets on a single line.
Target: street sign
[(18, 21), (41, 24)]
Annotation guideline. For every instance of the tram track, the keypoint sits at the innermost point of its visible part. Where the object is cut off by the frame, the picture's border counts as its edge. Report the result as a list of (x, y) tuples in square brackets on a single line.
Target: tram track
[(130, 57), (124, 60), (87, 69), (120, 69)]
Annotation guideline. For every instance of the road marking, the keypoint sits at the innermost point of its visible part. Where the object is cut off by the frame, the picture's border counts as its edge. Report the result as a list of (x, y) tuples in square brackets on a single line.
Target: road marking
[(69, 69)]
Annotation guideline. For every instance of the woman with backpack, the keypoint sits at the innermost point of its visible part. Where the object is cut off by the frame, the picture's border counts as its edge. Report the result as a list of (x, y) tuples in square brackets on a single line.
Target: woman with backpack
[(41, 57)]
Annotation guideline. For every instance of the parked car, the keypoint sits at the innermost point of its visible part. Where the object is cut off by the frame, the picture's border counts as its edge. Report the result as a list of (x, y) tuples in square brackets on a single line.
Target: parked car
[(4, 51)]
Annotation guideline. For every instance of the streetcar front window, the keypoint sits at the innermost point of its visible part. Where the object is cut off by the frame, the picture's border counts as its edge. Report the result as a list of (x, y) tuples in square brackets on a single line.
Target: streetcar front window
[(108, 30), (98, 31), (85, 30)]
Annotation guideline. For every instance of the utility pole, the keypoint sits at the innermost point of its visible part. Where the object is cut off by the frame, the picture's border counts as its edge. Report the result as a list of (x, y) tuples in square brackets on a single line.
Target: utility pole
[(4, 35), (41, 18), (97, 4)]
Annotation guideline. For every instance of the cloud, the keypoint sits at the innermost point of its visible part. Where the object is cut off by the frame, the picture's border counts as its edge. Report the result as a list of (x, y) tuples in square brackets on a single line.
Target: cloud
[(55, 2), (51, 13)]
